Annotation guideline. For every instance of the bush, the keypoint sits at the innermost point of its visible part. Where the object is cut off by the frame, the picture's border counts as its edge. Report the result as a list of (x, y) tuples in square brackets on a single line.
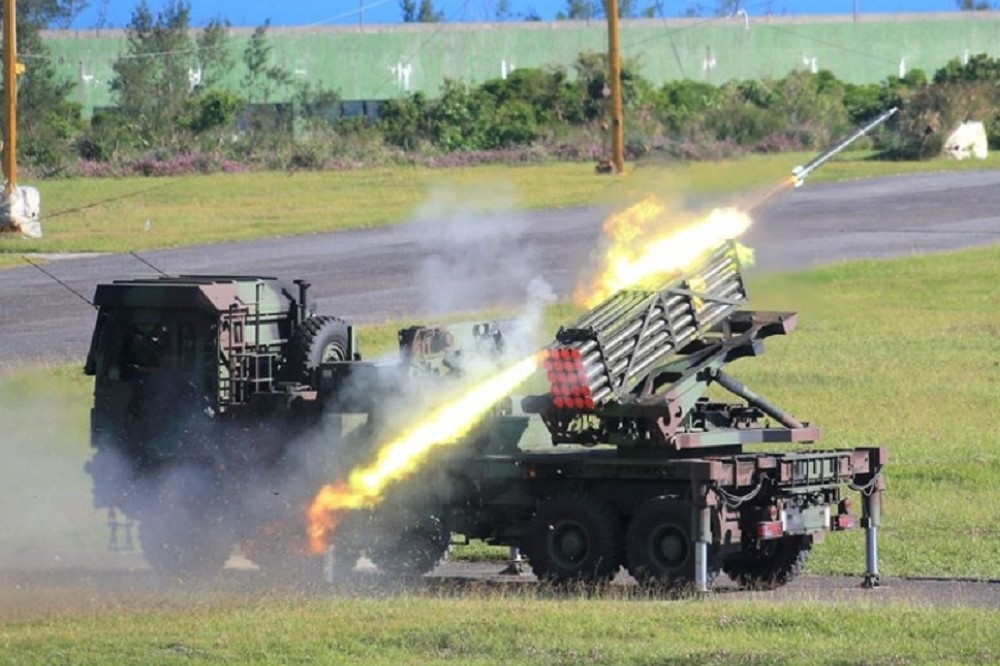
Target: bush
[(535, 114), (931, 113)]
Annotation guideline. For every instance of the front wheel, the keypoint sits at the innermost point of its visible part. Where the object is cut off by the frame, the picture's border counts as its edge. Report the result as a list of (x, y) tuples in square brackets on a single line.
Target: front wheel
[(413, 550), (575, 537)]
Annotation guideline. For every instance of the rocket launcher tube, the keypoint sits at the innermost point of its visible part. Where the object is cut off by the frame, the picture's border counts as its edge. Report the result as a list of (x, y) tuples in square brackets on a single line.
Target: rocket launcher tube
[(677, 305), (623, 341), (641, 329), (651, 352), (677, 320), (711, 280)]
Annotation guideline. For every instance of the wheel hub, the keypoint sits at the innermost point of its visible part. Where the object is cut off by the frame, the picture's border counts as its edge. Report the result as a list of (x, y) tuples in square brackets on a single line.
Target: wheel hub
[(570, 544), (669, 547)]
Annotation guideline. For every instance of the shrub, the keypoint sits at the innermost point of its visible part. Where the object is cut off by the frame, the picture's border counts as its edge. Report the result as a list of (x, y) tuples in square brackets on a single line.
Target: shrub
[(931, 113)]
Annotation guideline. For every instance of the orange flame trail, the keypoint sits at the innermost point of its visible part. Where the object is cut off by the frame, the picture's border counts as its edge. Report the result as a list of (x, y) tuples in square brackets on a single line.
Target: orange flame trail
[(400, 457), (641, 249)]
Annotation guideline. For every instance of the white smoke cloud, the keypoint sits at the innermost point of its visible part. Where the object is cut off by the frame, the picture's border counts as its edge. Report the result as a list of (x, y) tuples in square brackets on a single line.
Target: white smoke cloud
[(476, 256)]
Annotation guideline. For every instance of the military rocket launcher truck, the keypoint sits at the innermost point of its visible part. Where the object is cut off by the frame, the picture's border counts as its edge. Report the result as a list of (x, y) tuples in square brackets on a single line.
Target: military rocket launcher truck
[(217, 408), (217, 416), (645, 470)]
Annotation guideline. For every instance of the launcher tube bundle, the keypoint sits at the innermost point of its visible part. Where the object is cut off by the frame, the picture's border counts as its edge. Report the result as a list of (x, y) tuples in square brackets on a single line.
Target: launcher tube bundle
[(612, 347)]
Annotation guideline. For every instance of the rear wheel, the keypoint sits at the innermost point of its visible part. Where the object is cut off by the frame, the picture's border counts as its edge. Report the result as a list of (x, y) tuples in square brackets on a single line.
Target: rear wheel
[(576, 538), (767, 565), (659, 544)]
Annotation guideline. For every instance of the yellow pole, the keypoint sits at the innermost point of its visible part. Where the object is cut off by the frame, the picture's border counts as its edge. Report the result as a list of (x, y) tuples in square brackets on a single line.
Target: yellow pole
[(615, 86), (10, 71)]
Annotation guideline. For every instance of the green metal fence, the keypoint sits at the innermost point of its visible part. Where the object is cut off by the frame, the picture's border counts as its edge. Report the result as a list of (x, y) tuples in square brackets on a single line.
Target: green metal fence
[(382, 62)]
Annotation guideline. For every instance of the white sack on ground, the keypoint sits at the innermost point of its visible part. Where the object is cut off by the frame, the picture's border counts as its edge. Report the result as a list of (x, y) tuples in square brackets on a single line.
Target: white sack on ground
[(969, 140)]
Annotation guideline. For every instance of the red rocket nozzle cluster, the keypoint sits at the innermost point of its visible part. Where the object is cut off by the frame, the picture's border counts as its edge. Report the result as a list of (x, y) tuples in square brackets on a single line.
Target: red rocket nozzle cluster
[(568, 379)]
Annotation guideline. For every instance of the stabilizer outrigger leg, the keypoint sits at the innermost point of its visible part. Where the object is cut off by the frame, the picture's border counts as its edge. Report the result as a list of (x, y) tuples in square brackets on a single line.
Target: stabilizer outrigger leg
[(701, 550), (870, 520)]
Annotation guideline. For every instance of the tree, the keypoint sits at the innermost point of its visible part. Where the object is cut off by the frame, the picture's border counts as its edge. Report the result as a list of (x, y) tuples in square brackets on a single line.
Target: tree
[(214, 55), (973, 5), (262, 78), (580, 10), (420, 13), (727, 7), (501, 10), (409, 9), (722, 8), (41, 14), (152, 78), (592, 9), (428, 14)]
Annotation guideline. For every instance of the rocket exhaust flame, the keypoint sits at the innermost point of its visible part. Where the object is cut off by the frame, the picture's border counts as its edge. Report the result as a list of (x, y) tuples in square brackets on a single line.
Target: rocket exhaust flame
[(641, 250), (400, 457)]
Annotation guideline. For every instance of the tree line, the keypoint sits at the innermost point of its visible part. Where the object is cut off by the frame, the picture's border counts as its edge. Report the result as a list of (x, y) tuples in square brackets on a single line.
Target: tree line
[(168, 119)]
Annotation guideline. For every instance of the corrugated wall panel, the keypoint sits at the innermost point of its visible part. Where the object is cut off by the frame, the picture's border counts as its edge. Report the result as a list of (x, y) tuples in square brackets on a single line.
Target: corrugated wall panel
[(383, 62)]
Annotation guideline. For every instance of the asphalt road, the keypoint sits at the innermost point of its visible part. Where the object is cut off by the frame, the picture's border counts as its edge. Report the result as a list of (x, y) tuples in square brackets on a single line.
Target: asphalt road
[(425, 268)]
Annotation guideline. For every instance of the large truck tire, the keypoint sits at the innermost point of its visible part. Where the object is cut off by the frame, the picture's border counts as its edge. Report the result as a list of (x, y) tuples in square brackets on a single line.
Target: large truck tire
[(770, 564), (575, 537), (659, 546), (320, 339)]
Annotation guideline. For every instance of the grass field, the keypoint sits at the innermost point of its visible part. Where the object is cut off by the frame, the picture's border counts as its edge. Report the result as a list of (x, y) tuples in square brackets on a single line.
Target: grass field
[(132, 214), (519, 629)]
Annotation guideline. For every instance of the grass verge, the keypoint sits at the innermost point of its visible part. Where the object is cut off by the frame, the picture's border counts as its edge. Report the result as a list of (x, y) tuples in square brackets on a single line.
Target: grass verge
[(519, 629)]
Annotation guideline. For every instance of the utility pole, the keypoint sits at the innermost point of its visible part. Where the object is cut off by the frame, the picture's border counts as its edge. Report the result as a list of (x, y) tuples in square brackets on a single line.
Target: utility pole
[(21, 206), (10, 72), (615, 122)]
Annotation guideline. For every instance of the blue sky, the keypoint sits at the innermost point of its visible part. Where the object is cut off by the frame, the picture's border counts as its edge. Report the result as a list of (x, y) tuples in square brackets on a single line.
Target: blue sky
[(116, 13)]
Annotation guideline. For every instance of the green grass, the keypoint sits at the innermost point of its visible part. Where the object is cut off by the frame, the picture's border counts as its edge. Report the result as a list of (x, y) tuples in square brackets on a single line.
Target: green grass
[(509, 629), (110, 215), (903, 353)]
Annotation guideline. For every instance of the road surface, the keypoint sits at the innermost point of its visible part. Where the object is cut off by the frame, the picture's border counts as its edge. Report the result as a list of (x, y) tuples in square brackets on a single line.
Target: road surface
[(421, 269)]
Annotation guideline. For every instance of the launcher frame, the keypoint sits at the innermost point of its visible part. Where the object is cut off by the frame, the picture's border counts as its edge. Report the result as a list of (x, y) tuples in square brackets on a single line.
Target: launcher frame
[(666, 410), (635, 370)]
